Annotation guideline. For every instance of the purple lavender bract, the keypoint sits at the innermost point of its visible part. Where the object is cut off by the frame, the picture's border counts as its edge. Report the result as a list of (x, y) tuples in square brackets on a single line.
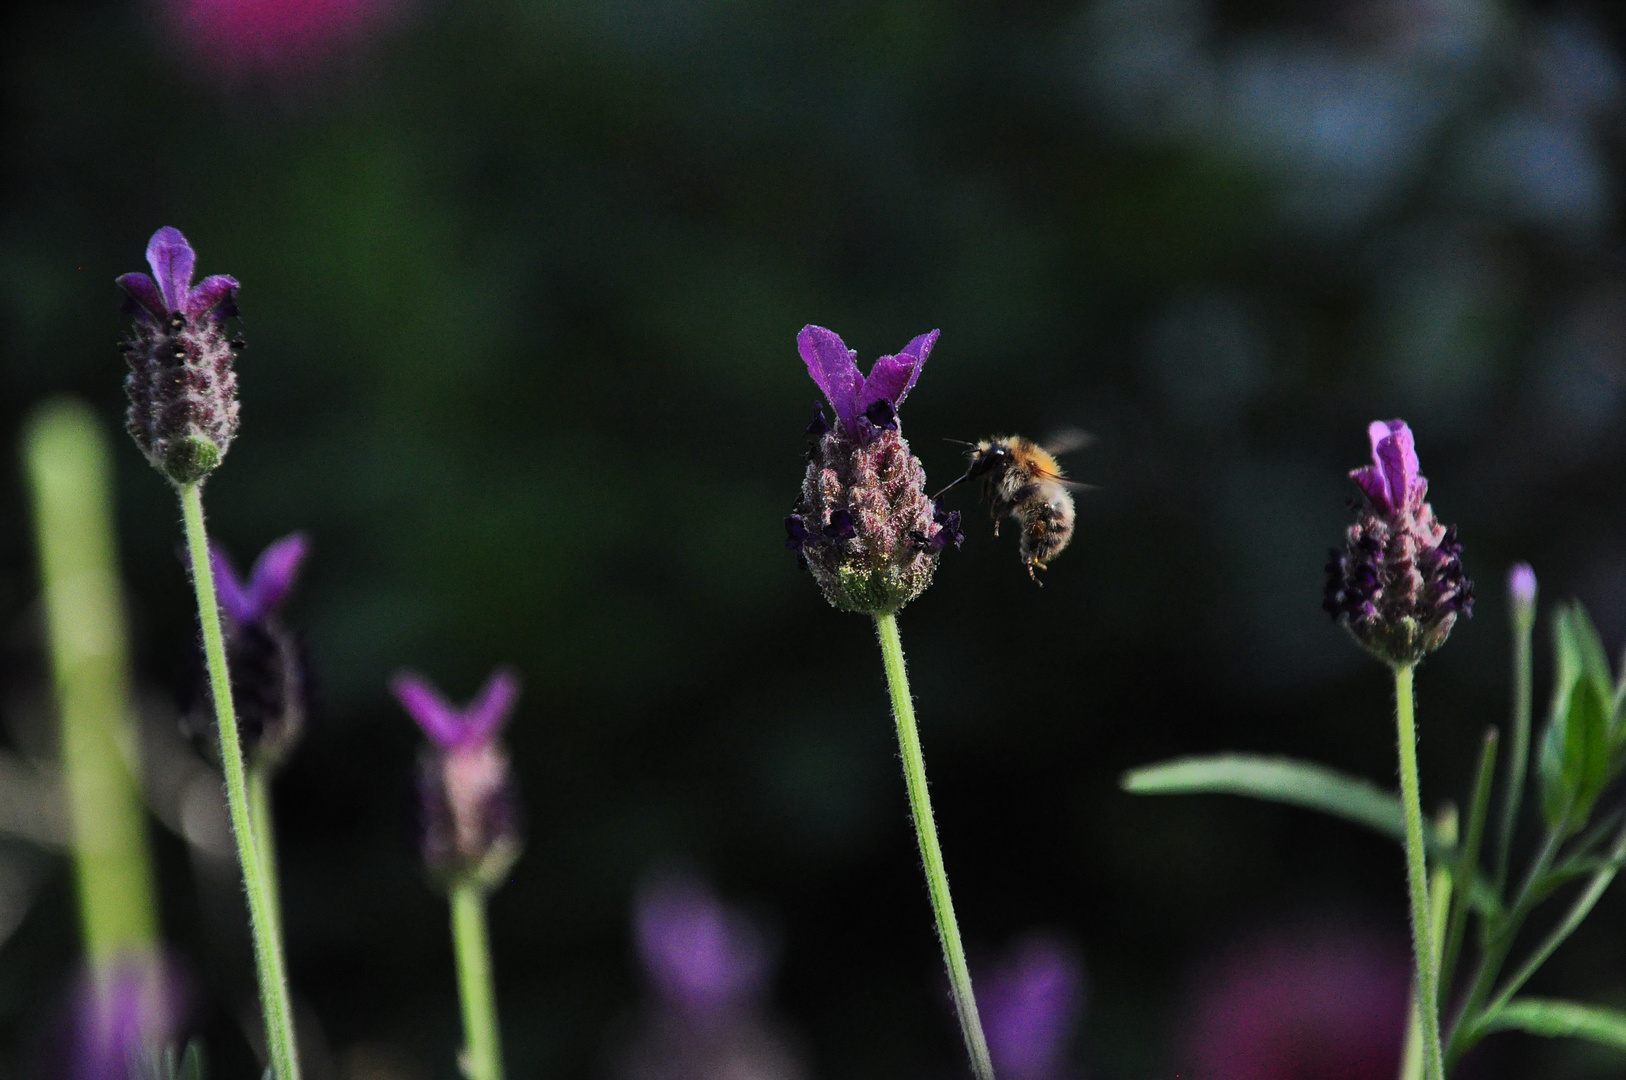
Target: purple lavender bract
[(470, 810), (182, 389), (863, 524), (1030, 1005), (1398, 585)]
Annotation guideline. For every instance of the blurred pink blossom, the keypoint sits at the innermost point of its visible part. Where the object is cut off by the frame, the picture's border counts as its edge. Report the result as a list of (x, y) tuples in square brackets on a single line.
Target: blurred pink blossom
[(1315, 1002), (246, 38)]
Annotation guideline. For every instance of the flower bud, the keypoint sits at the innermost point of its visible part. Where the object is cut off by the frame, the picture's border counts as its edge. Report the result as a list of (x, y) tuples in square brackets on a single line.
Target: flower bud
[(863, 523), (1521, 593), (182, 389), (1398, 585), (469, 808)]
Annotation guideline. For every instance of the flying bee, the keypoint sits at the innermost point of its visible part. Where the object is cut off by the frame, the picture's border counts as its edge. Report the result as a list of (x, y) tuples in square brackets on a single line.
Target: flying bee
[(1021, 480)]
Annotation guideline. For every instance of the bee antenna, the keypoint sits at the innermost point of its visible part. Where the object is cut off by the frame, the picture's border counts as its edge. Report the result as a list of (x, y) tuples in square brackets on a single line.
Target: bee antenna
[(955, 484), (958, 442)]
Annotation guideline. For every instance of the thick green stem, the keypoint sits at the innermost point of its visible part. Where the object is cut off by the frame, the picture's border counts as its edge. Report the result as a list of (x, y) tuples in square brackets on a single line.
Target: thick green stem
[(1428, 990), (920, 803), (1519, 749), (68, 470), (268, 961), (1441, 889), (265, 840), (482, 1051)]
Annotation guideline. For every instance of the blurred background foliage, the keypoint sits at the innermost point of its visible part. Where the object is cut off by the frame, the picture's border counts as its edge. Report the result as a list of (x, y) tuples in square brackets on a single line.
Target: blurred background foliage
[(521, 282)]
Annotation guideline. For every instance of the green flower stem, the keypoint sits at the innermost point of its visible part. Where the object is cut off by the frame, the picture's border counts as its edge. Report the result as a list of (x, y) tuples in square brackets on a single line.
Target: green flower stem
[(1428, 989), (482, 1052), (1441, 888), (70, 476), (1503, 929), (265, 837), (1578, 911), (914, 774), (268, 961), (1519, 751)]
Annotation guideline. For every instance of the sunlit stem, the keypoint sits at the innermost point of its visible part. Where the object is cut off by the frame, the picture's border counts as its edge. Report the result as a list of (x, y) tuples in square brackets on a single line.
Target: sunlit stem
[(268, 960), (68, 471), (914, 774), (482, 1048), (1428, 990)]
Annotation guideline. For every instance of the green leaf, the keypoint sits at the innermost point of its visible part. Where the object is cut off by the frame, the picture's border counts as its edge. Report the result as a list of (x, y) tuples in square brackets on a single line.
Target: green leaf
[(1582, 747), (1281, 780), (1560, 1019)]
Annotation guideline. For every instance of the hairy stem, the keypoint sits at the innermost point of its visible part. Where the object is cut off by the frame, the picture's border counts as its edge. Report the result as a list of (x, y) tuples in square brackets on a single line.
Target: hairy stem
[(268, 960), (265, 840), (482, 1050), (1428, 990), (920, 803)]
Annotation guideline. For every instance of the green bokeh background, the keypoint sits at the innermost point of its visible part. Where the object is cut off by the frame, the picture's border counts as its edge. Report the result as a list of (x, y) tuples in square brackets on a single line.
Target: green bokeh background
[(521, 283)]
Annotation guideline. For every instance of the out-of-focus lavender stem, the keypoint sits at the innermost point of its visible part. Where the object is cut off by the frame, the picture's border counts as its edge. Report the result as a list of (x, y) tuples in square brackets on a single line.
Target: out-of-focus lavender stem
[(67, 464)]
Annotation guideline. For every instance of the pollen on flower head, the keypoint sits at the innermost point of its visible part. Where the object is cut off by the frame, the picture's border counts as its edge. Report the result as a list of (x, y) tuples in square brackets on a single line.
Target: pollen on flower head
[(863, 524), (1398, 584), (182, 387)]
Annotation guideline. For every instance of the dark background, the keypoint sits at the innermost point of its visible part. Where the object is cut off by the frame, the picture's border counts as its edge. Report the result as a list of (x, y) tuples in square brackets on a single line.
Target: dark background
[(521, 283)]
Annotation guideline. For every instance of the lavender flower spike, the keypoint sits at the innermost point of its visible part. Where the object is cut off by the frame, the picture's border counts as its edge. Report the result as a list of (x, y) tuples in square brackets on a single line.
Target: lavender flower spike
[(1398, 585), (470, 810), (269, 669), (182, 389), (863, 523)]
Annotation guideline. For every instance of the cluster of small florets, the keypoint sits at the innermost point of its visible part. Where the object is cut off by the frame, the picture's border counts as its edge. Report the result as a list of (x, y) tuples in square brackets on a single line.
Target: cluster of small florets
[(863, 523), (182, 389), (1398, 585)]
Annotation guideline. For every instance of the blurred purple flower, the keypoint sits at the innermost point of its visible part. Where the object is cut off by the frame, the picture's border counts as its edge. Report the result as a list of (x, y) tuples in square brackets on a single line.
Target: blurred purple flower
[(1398, 585), (245, 38), (709, 969), (270, 671), (470, 809), (120, 1014), (268, 583), (1313, 1003), (703, 958), (1030, 1005)]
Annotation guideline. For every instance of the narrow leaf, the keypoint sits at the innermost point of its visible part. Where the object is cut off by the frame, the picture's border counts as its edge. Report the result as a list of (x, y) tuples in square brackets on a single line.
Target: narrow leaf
[(1560, 1019), (1280, 780)]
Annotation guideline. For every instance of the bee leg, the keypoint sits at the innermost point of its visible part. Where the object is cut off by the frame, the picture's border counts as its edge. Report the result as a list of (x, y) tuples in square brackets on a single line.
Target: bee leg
[(996, 528), (1034, 565)]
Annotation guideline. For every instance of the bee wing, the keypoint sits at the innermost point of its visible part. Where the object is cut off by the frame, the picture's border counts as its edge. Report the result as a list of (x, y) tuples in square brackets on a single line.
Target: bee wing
[(1067, 440)]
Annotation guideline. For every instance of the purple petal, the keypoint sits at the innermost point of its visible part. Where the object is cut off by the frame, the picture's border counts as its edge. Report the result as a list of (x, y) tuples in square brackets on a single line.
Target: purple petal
[(1395, 453), (172, 260), (831, 364), (209, 293), (487, 713), (140, 288), (275, 570), (894, 376), (238, 601), (433, 713), (1370, 478)]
